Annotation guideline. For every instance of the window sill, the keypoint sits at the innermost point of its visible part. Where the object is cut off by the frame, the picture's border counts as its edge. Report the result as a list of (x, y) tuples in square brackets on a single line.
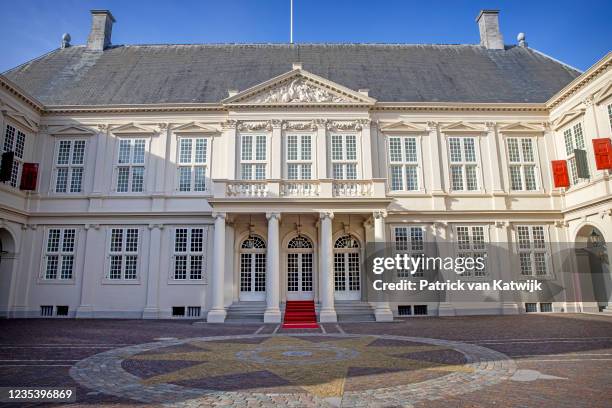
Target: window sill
[(120, 282), (56, 281), (187, 282)]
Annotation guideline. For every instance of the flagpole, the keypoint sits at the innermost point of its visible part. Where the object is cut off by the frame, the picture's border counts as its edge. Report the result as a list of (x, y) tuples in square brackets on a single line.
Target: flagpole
[(291, 25)]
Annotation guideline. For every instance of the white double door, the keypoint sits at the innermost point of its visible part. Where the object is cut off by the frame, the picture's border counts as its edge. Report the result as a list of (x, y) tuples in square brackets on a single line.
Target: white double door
[(300, 276), (252, 277), (347, 279)]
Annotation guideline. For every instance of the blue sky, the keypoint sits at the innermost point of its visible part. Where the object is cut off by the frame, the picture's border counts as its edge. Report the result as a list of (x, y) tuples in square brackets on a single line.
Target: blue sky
[(575, 32)]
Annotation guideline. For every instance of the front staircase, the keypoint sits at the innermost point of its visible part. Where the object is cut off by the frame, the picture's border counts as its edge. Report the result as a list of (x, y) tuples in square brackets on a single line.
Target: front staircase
[(354, 311), (300, 314), (246, 312)]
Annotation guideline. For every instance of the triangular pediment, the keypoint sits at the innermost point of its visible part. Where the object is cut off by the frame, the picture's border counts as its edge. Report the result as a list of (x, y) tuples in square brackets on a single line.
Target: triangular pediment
[(73, 130), (520, 127), (401, 126), (22, 120), (132, 129), (298, 88), (604, 93), (462, 127), (195, 127), (567, 117)]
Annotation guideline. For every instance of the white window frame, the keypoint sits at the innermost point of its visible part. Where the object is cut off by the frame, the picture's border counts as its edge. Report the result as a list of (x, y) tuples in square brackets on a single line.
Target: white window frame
[(61, 253), (412, 248), (131, 165), (464, 164), (123, 253), (300, 161), (404, 164), (610, 116), (19, 137), (472, 249), (69, 167), (571, 143), (192, 164), (189, 253), (522, 164), (533, 250), (253, 162), (344, 161)]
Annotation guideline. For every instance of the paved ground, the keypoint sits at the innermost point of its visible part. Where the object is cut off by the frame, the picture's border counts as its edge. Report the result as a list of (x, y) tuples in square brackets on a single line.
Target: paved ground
[(553, 360)]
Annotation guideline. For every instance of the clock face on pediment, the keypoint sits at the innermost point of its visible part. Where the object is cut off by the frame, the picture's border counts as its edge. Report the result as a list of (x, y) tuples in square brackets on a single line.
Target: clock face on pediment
[(298, 88)]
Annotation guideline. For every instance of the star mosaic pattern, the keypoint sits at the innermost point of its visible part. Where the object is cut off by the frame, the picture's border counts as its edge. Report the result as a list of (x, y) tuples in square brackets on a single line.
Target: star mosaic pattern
[(323, 367)]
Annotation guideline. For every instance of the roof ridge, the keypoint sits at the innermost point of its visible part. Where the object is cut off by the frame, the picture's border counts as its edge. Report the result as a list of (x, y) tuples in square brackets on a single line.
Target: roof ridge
[(29, 61)]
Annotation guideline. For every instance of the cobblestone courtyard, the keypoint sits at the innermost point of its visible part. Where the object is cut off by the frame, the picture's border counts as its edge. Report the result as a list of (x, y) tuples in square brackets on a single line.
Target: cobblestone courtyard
[(554, 360)]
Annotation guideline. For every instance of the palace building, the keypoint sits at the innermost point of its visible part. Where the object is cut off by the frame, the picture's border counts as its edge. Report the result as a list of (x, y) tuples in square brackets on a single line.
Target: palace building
[(220, 181)]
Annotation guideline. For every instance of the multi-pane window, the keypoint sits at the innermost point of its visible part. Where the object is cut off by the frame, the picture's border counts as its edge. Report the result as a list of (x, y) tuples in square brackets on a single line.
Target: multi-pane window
[(59, 254), (404, 165), (610, 114), (411, 241), (574, 139), (344, 157), (14, 141), (253, 156), (463, 163), (131, 165), (471, 243), (532, 250), (189, 253), (123, 254), (192, 164), (299, 157), (69, 166), (523, 169)]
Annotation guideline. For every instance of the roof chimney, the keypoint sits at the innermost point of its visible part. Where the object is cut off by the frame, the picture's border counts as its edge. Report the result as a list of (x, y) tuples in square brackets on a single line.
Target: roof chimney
[(101, 29), (488, 23)]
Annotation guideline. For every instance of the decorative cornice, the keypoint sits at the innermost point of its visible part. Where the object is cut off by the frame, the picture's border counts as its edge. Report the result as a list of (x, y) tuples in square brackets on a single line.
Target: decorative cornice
[(581, 81)]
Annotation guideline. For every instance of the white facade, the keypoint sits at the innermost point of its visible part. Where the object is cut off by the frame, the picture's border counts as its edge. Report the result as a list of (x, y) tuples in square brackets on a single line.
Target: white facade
[(141, 209)]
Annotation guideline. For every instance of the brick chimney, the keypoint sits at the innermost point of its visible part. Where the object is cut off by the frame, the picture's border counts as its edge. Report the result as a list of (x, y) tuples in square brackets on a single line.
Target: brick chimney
[(101, 29), (488, 24)]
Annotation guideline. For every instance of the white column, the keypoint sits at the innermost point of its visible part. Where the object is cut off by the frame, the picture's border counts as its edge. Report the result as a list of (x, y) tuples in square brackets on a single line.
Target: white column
[(326, 283), (91, 267), (382, 312), (151, 310), (321, 146), (366, 148), (272, 313), (217, 312)]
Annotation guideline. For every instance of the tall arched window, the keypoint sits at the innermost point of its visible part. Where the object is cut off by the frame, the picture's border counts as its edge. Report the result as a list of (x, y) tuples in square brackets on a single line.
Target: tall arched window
[(253, 269), (347, 266), (300, 253)]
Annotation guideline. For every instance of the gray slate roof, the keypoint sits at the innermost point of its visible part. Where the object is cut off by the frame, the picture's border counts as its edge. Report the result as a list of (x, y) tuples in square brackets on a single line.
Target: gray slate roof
[(203, 73)]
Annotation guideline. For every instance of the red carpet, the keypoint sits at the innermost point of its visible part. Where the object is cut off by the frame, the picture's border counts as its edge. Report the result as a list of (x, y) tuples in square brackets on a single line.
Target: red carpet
[(300, 314)]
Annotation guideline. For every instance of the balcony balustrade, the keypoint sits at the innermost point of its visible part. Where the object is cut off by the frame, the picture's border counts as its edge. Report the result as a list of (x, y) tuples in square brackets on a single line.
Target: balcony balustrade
[(305, 189)]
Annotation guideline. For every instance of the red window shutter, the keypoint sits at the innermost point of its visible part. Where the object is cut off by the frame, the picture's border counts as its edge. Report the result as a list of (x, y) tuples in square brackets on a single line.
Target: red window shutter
[(560, 175), (603, 153), (29, 175)]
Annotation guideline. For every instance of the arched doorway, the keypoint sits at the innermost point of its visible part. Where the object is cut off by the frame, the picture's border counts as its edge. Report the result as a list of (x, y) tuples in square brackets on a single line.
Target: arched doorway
[(347, 268), (593, 262), (253, 269), (7, 261), (300, 264)]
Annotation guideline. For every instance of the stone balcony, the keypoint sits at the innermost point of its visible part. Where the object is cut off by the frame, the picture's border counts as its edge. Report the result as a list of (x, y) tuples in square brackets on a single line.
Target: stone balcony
[(326, 188)]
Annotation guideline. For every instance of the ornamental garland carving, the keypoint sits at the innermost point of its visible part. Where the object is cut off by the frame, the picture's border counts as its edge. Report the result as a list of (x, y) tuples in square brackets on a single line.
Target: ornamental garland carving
[(300, 125), (298, 91), (254, 126), (347, 125)]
